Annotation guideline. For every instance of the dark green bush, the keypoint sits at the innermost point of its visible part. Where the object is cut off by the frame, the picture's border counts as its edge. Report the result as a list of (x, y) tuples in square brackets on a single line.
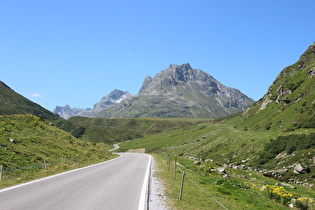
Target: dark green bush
[(287, 144)]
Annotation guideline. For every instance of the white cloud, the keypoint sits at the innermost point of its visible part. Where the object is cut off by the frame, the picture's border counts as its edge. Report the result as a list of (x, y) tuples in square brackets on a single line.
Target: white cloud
[(36, 95)]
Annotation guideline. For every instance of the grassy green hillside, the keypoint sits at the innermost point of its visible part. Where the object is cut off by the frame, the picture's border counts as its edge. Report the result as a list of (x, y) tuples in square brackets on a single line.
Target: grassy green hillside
[(289, 103), (28, 141), (118, 130), (13, 103), (208, 146), (223, 143)]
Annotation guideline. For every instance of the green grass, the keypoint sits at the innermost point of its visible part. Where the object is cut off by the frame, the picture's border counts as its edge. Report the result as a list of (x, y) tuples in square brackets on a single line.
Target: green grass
[(291, 98), (118, 130), (225, 143), (36, 142), (203, 190)]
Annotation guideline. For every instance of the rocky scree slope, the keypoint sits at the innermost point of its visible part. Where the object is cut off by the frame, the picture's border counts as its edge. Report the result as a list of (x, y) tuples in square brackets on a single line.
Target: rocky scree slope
[(180, 91)]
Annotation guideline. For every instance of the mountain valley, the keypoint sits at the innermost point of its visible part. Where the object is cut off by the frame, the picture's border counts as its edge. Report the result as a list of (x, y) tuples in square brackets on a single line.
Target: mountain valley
[(186, 114)]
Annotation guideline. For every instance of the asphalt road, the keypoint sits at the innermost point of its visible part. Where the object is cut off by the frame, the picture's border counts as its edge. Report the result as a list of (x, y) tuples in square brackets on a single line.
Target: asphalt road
[(112, 185)]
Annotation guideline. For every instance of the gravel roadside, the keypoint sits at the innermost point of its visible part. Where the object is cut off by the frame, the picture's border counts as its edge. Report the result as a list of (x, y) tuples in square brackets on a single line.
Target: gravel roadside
[(156, 193)]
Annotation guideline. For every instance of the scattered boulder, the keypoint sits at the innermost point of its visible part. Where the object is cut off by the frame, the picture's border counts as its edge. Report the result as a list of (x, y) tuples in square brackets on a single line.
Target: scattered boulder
[(225, 176), (308, 185), (197, 162), (221, 170), (285, 185), (279, 171), (193, 158), (242, 167), (300, 169), (311, 73)]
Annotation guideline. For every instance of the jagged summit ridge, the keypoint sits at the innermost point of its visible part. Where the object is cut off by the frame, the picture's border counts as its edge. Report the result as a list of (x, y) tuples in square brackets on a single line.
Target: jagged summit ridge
[(177, 74)]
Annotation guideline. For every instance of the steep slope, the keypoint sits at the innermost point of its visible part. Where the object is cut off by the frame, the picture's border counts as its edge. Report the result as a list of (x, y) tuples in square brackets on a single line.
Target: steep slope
[(30, 142), (14, 103), (112, 99), (290, 101), (181, 91)]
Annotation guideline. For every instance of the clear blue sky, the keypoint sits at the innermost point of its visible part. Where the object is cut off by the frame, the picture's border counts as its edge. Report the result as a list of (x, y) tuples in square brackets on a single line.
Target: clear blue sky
[(58, 52)]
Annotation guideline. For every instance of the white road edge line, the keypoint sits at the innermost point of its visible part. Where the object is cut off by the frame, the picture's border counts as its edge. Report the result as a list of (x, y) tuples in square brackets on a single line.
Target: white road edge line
[(52, 176), (143, 202)]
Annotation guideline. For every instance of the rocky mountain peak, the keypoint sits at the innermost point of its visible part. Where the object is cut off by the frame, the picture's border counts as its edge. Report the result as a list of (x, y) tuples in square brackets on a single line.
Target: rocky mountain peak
[(182, 75), (113, 98), (182, 72), (180, 68), (116, 94), (175, 75), (181, 91), (145, 84)]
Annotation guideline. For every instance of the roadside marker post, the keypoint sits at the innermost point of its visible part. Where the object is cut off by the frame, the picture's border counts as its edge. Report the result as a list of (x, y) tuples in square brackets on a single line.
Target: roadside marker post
[(175, 165), (182, 186)]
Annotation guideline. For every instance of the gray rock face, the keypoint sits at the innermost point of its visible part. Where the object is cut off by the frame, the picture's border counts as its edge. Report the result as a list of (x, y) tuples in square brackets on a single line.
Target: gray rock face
[(115, 97), (112, 99), (67, 111), (181, 91), (300, 168)]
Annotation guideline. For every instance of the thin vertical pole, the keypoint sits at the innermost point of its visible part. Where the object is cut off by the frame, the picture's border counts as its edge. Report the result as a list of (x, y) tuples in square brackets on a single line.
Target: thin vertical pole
[(182, 186), (175, 165), (0, 172)]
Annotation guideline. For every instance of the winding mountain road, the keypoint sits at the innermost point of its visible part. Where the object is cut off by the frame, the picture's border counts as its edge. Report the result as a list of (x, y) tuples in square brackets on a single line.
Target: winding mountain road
[(120, 183)]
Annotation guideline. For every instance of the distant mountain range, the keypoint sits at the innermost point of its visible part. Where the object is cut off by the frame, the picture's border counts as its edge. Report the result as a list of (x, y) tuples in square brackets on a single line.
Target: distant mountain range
[(112, 99), (178, 91)]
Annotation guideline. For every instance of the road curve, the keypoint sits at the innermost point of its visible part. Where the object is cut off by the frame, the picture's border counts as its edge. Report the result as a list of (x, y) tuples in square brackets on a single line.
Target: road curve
[(111, 185)]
